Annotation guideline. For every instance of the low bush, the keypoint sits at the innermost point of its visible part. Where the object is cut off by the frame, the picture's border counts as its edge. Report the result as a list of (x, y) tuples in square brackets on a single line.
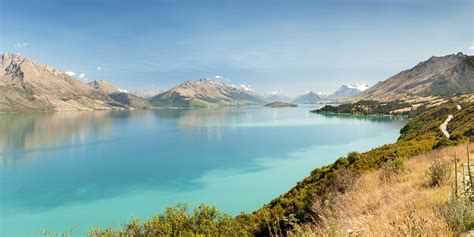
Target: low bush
[(176, 221), (444, 142), (439, 172), (391, 168), (458, 213)]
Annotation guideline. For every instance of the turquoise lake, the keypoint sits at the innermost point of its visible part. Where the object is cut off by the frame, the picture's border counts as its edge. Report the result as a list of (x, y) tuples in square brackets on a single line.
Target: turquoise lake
[(76, 170)]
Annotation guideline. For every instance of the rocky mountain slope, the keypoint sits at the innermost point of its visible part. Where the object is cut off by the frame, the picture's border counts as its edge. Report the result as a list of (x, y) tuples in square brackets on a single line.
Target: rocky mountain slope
[(307, 98), (104, 87), (120, 96), (206, 93), (437, 76), (26, 85)]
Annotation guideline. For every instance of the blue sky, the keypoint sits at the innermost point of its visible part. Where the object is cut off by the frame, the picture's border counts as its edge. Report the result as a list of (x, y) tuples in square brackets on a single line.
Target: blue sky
[(272, 45)]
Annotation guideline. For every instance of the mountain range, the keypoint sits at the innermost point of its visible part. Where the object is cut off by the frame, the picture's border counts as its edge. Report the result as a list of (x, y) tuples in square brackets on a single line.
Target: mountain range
[(309, 97), (26, 85), (278, 95)]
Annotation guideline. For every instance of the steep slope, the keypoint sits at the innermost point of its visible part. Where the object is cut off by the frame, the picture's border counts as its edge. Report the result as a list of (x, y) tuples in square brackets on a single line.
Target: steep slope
[(120, 96), (457, 79), (27, 85), (438, 76), (104, 87), (130, 101), (205, 93), (307, 98)]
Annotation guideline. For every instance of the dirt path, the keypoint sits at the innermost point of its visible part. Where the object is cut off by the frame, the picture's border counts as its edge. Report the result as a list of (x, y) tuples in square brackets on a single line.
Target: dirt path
[(444, 126)]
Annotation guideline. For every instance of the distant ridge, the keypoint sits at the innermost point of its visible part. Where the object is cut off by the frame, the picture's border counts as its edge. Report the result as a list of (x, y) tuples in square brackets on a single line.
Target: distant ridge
[(348, 91), (277, 96), (307, 98), (206, 93)]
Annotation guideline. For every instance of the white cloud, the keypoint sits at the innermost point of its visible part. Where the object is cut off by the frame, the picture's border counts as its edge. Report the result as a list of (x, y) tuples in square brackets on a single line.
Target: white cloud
[(246, 87), (219, 77), (20, 44), (70, 73), (277, 92), (99, 68), (82, 75), (471, 48)]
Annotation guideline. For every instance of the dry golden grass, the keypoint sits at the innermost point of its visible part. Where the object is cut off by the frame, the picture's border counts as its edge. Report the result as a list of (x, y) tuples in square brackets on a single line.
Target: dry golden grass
[(402, 206)]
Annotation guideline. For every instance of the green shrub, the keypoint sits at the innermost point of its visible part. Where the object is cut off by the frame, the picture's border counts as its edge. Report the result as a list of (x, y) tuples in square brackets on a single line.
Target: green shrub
[(439, 172), (443, 142), (157, 226), (392, 167), (353, 157), (458, 213), (176, 221), (67, 233)]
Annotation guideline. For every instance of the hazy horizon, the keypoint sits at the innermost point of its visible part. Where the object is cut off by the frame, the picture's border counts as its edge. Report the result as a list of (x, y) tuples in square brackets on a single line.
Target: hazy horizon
[(270, 45)]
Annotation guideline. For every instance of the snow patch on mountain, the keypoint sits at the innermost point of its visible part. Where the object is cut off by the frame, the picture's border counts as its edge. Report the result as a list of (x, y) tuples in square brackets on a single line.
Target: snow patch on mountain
[(359, 86)]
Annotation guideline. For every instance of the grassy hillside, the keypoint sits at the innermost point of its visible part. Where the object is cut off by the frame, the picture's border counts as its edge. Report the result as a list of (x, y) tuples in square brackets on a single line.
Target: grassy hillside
[(400, 201)]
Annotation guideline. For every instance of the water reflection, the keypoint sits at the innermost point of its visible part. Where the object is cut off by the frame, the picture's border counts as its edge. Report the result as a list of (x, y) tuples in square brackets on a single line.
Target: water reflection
[(54, 159), (373, 118), (25, 133)]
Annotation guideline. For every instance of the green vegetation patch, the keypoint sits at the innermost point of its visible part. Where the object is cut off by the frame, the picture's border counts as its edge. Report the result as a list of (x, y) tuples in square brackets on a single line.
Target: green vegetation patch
[(367, 107), (279, 104)]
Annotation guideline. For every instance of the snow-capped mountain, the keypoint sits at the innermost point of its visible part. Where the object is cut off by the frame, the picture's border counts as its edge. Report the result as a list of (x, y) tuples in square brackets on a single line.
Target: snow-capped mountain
[(359, 86), (323, 93), (349, 91), (207, 93), (309, 97), (277, 95)]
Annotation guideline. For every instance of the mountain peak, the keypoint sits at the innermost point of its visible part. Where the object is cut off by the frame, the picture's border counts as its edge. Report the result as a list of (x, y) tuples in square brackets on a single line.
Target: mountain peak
[(309, 97), (436, 76), (31, 86), (207, 93), (278, 95), (460, 54), (350, 91)]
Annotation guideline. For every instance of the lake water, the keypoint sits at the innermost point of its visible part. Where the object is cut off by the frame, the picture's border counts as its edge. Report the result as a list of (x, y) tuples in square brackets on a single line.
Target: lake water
[(77, 170)]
